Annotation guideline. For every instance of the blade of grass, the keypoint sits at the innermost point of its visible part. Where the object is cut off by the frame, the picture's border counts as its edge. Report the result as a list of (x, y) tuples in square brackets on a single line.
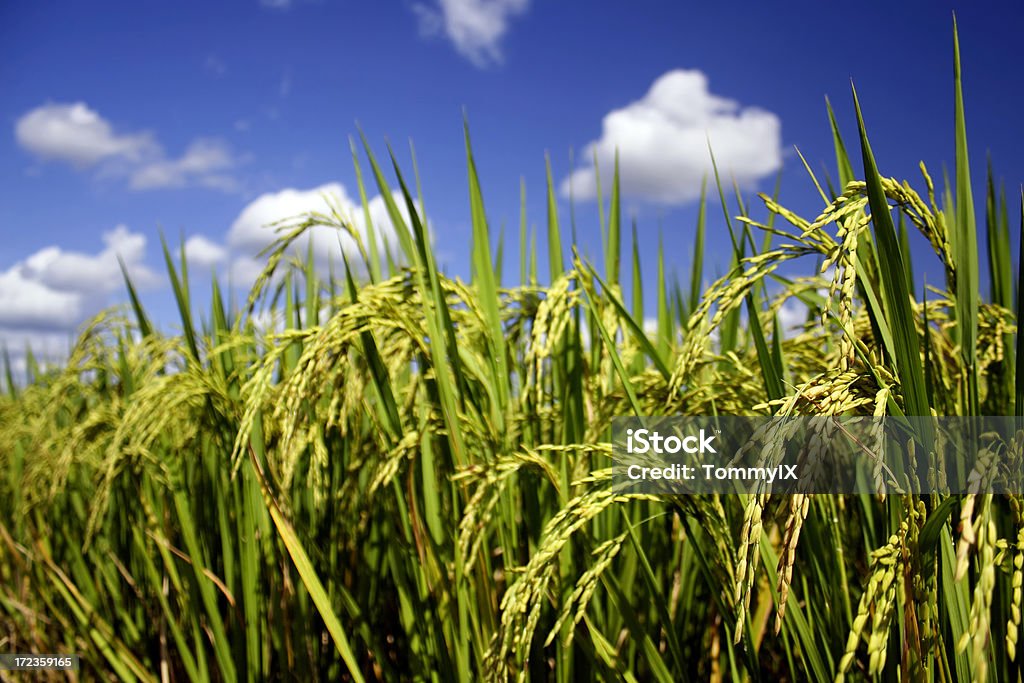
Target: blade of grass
[(966, 244), (307, 572), (896, 291), (614, 245), (556, 264), (697, 265)]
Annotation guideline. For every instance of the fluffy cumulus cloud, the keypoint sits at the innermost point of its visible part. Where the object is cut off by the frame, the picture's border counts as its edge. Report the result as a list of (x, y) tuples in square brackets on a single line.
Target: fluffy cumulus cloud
[(475, 27), (78, 135), (203, 252), (54, 290), (253, 230), (662, 141), (205, 162), (28, 303)]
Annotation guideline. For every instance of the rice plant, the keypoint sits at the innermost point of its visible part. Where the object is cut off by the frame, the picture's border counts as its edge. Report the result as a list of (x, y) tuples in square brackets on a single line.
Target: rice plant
[(407, 477)]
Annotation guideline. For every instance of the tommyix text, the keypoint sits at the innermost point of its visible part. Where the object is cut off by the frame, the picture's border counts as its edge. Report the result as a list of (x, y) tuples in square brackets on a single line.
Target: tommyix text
[(711, 472)]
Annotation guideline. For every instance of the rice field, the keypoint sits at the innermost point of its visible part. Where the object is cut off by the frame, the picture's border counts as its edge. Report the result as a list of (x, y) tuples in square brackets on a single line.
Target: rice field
[(406, 478)]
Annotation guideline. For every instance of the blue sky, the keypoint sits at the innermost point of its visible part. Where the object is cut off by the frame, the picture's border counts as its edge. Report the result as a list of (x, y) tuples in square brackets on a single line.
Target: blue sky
[(206, 119)]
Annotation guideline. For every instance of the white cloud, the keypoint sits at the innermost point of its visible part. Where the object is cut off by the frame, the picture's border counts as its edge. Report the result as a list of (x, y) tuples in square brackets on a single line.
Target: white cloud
[(203, 163), (244, 270), (204, 253), (792, 316), (475, 27), (69, 271), (250, 233), (76, 134), (662, 140), (54, 289), (276, 4), (27, 303)]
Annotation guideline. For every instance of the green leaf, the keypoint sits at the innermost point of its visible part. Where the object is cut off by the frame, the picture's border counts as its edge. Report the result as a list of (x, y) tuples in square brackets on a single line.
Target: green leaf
[(555, 259), (966, 243), (697, 265), (180, 287), (145, 328), (635, 327), (895, 287), (487, 285), (930, 532), (842, 158), (614, 246), (307, 572)]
